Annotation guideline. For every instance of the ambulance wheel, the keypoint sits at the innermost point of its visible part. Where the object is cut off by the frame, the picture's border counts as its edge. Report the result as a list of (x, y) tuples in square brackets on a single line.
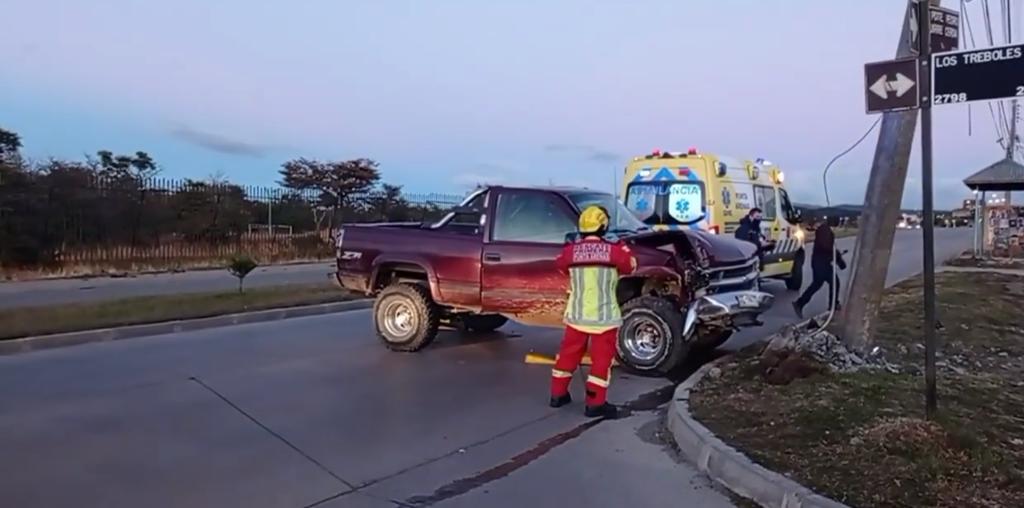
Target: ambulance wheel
[(405, 317), (483, 323), (650, 341)]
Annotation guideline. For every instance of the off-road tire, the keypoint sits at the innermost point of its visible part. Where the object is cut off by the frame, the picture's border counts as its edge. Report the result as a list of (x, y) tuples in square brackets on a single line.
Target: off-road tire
[(484, 323), (425, 317), (668, 320)]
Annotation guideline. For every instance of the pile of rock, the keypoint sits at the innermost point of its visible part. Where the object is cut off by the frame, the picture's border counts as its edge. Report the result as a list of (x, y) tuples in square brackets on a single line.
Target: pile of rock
[(795, 345)]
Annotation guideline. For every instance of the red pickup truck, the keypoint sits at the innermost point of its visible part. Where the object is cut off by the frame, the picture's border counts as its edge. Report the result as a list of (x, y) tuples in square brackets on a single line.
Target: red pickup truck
[(493, 258)]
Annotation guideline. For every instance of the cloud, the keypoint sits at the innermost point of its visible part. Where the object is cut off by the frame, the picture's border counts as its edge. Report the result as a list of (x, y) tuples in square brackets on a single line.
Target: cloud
[(488, 173), (588, 152), (218, 143)]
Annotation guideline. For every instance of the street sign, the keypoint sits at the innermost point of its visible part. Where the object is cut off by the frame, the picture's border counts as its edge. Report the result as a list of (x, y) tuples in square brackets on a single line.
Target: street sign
[(978, 75), (892, 85), (944, 29)]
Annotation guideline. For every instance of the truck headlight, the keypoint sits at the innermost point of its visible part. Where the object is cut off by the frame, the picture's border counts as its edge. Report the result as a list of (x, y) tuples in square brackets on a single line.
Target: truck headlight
[(800, 234)]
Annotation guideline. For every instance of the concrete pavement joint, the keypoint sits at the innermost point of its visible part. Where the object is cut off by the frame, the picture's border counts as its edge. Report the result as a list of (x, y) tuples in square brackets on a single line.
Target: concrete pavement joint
[(27, 344), (467, 484), (270, 431), (727, 466)]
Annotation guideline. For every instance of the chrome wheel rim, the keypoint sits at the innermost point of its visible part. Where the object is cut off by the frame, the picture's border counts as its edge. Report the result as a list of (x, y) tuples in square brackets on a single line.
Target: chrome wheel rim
[(399, 319), (643, 339)]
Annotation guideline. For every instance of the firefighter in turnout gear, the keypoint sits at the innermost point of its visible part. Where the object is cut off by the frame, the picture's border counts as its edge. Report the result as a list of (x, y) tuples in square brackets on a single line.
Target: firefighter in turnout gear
[(592, 313)]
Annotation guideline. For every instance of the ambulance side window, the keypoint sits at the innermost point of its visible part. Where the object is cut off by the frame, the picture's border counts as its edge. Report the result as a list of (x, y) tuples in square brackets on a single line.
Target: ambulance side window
[(789, 212), (764, 198)]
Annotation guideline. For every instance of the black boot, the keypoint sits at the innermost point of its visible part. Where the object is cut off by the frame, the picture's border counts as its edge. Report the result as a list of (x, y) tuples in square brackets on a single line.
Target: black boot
[(561, 401), (606, 410)]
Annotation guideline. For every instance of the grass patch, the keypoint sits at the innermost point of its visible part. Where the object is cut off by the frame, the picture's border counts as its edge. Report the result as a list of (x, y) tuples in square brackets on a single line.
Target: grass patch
[(862, 439), (28, 321), (969, 261)]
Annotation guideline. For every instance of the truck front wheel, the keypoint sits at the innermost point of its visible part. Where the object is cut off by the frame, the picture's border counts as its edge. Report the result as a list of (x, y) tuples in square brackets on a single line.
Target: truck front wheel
[(405, 317), (650, 340)]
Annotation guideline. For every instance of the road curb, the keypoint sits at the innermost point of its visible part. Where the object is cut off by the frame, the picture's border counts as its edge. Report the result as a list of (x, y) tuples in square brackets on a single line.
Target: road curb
[(27, 344), (727, 466)]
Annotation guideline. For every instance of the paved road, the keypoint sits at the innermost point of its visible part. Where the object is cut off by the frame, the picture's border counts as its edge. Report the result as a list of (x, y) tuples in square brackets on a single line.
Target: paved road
[(57, 291), (313, 412)]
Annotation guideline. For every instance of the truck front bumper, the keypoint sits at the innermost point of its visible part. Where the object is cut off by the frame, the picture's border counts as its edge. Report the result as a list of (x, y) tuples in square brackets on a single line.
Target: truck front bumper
[(735, 309)]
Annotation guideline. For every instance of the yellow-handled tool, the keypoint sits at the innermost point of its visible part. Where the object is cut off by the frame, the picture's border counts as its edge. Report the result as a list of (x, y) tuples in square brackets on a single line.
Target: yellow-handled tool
[(543, 359)]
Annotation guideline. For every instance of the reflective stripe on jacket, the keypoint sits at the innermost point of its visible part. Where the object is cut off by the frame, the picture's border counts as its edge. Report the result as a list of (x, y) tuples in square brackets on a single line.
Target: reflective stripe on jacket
[(594, 266)]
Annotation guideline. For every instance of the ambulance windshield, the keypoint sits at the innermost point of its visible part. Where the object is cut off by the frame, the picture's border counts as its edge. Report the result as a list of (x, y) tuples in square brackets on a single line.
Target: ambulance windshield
[(678, 202)]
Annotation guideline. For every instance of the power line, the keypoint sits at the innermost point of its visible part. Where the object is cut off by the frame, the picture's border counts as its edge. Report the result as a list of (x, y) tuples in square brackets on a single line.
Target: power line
[(1002, 123), (970, 33), (974, 44)]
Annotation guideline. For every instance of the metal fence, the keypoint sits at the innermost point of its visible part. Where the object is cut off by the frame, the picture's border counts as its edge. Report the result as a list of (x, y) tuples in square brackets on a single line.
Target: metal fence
[(55, 221)]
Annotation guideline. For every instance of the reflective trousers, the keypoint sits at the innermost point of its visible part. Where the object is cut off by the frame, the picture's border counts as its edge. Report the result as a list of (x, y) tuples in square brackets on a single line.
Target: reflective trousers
[(602, 352)]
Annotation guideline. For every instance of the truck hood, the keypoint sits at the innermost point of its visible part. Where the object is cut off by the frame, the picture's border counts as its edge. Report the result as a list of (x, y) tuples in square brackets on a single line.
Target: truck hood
[(721, 250)]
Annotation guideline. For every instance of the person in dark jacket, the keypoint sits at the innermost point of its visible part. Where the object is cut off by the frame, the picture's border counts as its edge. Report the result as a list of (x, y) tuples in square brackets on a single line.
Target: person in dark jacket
[(749, 229), (821, 267)]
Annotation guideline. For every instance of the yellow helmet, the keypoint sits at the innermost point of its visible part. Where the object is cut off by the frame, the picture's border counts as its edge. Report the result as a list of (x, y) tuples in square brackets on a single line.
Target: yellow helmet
[(593, 219)]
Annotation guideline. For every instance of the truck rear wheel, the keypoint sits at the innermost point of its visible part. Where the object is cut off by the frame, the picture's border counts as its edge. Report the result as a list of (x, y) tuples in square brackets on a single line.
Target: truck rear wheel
[(405, 317), (483, 323), (651, 341)]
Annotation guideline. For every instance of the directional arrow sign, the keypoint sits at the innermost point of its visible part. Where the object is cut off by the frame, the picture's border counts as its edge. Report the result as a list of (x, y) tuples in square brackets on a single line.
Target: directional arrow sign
[(899, 85), (892, 85)]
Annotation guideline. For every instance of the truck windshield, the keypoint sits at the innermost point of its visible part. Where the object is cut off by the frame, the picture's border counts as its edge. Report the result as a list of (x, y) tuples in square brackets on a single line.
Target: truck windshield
[(622, 220), (667, 202)]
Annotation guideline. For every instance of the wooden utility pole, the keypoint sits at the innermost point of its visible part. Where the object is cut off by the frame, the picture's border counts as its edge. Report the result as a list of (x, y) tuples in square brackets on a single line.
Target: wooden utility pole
[(882, 200), (1011, 144)]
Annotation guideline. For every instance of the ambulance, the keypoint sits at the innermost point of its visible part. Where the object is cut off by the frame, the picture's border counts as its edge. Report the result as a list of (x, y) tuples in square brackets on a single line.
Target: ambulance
[(694, 190)]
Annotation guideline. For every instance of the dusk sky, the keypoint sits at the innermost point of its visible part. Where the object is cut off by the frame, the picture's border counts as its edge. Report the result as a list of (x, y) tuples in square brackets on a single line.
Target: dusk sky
[(448, 93)]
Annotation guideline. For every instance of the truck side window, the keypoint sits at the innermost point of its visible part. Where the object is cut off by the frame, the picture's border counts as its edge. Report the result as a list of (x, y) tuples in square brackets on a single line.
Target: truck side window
[(468, 223), (533, 217)]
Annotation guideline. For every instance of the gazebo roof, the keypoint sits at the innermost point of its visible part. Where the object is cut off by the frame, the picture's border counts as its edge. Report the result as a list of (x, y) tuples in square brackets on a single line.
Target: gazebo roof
[(1005, 175)]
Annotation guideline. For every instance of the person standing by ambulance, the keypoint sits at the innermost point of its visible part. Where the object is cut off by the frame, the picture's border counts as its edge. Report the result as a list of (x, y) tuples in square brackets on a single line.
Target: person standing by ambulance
[(592, 312)]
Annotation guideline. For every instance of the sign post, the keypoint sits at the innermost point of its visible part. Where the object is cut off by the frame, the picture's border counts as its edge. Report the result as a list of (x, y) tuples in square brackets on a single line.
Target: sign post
[(928, 213)]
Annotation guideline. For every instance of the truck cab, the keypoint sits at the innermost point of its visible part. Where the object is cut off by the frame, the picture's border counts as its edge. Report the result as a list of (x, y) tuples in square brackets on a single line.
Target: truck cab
[(707, 192)]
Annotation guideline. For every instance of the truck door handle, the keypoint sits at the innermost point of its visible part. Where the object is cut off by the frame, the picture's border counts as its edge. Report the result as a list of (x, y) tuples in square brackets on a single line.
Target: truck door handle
[(492, 256)]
